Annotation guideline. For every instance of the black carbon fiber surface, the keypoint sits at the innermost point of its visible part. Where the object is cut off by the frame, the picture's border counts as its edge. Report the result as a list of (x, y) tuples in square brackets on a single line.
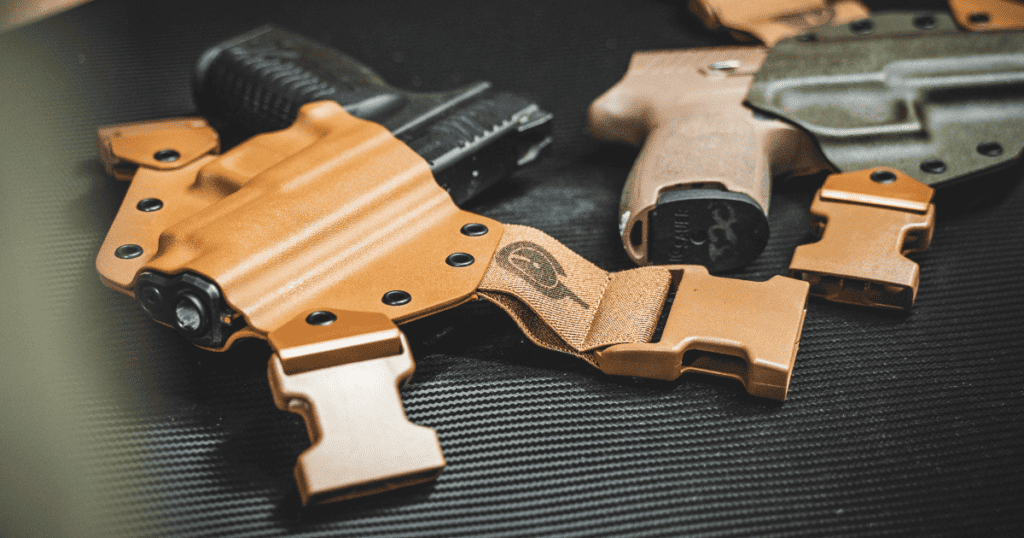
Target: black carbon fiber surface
[(895, 424)]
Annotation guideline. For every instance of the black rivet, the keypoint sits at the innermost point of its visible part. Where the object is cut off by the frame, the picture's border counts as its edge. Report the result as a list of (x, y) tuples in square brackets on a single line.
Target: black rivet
[(978, 18), (460, 259), (129, 251), (151, 297), (149, 204), (321, 317), (396, 298), (883, 176), (809, 37), (474, 229), (863, 26), (990, 149), (933, 166), (167, 155), (925, 22)]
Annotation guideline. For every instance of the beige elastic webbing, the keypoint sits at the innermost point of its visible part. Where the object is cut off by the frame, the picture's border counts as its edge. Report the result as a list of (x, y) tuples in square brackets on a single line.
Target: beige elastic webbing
[(565, 303)]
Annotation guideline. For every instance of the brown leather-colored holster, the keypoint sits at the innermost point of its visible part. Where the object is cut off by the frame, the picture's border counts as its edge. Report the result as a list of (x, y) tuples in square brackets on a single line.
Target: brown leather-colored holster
[(322, 237)]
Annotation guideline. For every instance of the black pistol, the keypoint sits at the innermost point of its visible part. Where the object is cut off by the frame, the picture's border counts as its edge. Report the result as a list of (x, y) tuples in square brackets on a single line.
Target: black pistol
[(472, 137)]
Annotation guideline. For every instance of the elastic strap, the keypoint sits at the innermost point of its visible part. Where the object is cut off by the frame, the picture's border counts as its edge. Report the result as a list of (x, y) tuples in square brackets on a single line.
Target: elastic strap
[(565, 303)]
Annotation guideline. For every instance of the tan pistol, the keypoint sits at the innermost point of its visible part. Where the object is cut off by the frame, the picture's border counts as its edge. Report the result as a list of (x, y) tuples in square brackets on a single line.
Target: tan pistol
[(700, 190)]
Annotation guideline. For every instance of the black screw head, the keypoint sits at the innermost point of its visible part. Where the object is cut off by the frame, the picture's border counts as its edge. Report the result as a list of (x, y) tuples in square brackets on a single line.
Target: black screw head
[(190, 316), (149, 204), (925, 22), (474, 229), (129, 251), (883, 176), (396, 298), (460, 259), (809, 37), (978, 18), (990, 149), (167, 155), (322, 318), (863, 26), (933, 166)]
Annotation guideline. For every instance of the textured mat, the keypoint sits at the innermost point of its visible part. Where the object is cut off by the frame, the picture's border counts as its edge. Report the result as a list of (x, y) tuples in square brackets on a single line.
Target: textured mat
[(895, 424)]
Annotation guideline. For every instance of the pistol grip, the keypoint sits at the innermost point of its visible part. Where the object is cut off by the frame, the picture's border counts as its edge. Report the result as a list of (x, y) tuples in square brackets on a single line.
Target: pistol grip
[(257, 82), (362, 442), (698, 194), (706, 155)]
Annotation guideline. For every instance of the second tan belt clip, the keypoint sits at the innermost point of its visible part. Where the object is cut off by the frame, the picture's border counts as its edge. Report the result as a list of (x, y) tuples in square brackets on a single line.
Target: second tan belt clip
[(865, 222)]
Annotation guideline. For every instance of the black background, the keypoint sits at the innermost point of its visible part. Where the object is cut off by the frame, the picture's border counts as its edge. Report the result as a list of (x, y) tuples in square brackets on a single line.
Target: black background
[(895, 424)]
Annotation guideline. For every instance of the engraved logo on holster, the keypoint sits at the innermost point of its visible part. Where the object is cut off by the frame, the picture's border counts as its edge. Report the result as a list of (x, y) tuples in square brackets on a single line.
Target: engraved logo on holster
[(537, 267)]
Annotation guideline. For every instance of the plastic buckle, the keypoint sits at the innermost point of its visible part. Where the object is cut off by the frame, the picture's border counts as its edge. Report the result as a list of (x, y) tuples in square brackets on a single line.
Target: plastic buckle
[(340, 371), (748, 331), (865, 222)]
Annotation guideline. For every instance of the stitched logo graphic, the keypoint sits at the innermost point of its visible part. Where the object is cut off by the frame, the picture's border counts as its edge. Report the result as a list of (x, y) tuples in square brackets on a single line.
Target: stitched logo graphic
[(537, 267)]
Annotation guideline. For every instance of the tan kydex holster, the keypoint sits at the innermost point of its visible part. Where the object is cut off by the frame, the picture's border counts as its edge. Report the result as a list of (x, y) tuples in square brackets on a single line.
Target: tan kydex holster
[(988, 15), (771, 22), (323, 237)]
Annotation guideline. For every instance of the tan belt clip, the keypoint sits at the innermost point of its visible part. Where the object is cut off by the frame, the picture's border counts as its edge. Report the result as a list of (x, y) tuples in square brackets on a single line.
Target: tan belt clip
[(865, 222), (771, 22), (340, 372), (988, 15)]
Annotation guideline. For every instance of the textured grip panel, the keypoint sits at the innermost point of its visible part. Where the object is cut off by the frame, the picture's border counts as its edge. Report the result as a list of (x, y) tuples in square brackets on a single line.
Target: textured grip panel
[(472, 136), (258, 81)]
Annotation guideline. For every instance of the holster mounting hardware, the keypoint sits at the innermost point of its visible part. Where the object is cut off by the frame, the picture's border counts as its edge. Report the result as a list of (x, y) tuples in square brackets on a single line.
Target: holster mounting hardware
[(865, 222), (340, 372)]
